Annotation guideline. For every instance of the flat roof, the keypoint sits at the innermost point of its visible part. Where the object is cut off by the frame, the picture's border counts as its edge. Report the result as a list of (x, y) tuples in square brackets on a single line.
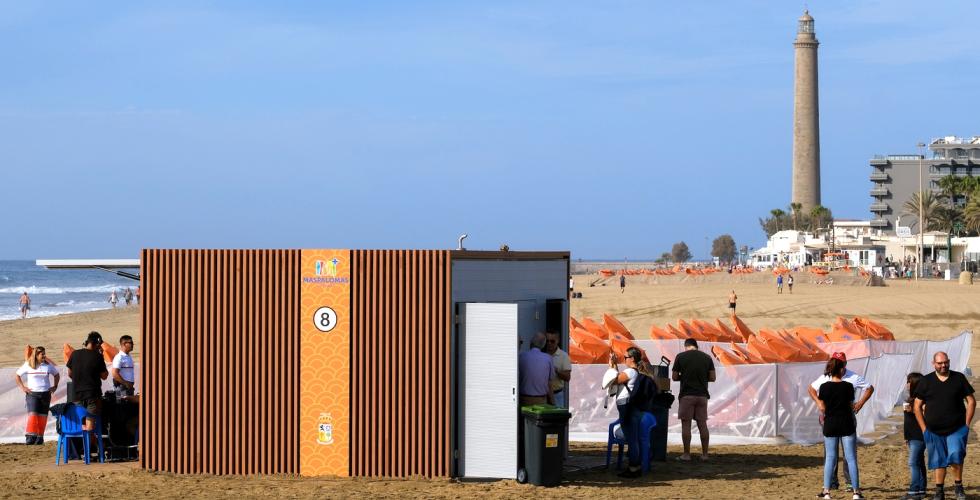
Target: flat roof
[(88, 263)]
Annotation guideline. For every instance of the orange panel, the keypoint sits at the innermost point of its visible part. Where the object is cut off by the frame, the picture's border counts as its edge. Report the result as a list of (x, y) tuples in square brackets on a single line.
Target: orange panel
[(325, 369)]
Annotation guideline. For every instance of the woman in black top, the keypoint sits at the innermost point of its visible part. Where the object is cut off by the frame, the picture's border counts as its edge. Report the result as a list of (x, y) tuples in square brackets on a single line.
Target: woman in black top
[(915, 442), (836, 402)]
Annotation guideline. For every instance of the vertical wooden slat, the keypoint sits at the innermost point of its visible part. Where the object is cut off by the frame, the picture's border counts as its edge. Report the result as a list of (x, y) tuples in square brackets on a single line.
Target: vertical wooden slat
[(400, 362), (220, 391)]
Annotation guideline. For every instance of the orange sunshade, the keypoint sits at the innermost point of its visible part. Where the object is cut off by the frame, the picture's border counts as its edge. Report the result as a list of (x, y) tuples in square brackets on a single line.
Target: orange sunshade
[(613, 325)]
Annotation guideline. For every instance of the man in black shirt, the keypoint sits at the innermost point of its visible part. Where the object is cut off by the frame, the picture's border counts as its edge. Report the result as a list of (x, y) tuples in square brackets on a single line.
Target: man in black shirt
[(945, 420), (693, 369), (87, 370)]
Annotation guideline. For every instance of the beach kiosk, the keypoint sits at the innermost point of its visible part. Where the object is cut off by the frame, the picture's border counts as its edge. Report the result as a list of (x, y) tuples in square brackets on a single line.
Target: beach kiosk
[(385, 363)]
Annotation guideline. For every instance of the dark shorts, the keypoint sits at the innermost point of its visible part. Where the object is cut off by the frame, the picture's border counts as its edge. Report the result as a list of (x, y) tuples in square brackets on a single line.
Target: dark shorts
[(731, 305), (693, 408), (93, 405)]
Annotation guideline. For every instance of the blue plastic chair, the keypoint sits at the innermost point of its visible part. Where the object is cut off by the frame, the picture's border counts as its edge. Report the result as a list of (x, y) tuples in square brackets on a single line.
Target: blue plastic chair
[(647, 423), (72, 425)]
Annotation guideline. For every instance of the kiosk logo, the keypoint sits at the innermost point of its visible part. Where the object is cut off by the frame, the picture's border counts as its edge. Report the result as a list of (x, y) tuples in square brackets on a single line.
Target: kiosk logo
[(328, 268), (324, 433)]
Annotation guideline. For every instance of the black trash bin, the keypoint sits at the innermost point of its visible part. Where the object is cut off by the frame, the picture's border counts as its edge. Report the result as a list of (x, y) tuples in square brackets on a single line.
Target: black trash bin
[(545, 430), (658, 435)]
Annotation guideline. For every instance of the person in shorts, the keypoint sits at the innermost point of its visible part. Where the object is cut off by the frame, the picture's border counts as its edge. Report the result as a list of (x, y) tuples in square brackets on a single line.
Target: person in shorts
[(25, 305), (948, 401), (87, 370), (693, 369), (732, 298)]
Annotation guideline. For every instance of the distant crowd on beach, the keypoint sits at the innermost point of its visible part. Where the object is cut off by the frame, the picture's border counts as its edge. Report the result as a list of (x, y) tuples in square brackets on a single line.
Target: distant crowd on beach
[(128, 296)]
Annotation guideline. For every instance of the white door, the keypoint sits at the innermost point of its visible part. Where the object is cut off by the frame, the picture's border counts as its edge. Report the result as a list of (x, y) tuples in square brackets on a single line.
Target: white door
[(488, 340)]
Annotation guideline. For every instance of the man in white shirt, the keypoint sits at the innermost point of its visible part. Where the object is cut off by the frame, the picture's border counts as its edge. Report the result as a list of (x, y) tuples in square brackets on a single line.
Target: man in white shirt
[(860, 385), (563, 370), (123, 372)]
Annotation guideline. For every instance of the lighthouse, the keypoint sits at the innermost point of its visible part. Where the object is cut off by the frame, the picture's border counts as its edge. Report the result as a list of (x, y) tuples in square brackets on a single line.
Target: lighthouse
[(806, 117)]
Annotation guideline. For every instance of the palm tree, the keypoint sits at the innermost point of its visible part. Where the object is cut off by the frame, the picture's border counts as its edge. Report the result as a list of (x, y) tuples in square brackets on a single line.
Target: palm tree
[(820, 215), (952, 188), (944, 219), (796, 207), (777, 214), (971, 214), (929, 205)]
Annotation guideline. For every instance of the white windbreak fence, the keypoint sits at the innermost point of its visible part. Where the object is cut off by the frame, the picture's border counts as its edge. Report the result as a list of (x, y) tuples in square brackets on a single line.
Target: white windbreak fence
[(766, 402), (13, 409)]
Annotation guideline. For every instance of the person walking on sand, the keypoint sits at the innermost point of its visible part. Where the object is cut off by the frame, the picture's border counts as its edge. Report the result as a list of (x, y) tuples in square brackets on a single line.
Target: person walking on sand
[(732, 298), (622, 283), (25, 305), (944, 406), (779, 283), (789, 283), (693, 369), (113, 299), (128, 296)]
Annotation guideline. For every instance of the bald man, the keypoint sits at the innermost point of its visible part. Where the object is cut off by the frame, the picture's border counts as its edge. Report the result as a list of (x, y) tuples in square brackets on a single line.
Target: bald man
[(949, 405)]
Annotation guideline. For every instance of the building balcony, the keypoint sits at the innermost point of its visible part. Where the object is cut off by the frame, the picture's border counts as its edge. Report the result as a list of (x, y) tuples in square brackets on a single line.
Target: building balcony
[(879, 191), (879, 162), (879, 177), (879, 207), (879, 222)]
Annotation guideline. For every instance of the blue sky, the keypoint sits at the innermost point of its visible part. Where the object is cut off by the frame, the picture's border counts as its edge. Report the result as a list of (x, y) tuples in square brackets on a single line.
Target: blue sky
[(609, 129)]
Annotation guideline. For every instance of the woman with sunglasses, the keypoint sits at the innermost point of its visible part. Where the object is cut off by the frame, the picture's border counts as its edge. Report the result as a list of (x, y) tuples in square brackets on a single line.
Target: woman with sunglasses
[(38, 391)]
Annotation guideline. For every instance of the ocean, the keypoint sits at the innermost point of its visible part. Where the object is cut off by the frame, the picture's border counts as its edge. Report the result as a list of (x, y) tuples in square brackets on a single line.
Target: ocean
[(57, 291)]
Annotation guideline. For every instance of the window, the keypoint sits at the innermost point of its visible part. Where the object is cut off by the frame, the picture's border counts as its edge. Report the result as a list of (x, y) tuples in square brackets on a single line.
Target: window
[(863, 257)]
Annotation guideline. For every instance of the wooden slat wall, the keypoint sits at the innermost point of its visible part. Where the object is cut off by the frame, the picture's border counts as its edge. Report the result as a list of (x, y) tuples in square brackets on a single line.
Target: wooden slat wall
[(400, 363), (220, 376)]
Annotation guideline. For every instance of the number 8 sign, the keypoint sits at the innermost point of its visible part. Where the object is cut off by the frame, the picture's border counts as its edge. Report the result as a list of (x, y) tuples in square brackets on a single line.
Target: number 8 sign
[(325, 319)]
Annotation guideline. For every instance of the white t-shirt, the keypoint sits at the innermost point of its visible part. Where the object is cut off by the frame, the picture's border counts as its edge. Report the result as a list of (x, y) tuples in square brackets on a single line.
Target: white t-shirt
[(562, 363), (38, 379), (624, 396), (124, 363), (858, 381)]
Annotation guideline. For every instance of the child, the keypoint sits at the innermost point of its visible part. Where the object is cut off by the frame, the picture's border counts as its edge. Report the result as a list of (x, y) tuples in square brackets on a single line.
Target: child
[(915, 443)]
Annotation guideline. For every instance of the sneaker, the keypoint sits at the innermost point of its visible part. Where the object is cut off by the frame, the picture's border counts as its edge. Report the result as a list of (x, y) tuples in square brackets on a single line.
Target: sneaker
[(960, 493), (913, 496), (939, 495), (857, 496), (630, 474), (824, 495)]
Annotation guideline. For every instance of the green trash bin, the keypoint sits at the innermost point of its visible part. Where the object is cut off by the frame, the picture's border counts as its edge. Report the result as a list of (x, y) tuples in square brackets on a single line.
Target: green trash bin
[(545, 431)]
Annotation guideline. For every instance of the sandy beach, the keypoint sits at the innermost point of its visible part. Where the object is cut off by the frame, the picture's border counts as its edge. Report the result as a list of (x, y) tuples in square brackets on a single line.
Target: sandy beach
[(925, 310), (54, 331)]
